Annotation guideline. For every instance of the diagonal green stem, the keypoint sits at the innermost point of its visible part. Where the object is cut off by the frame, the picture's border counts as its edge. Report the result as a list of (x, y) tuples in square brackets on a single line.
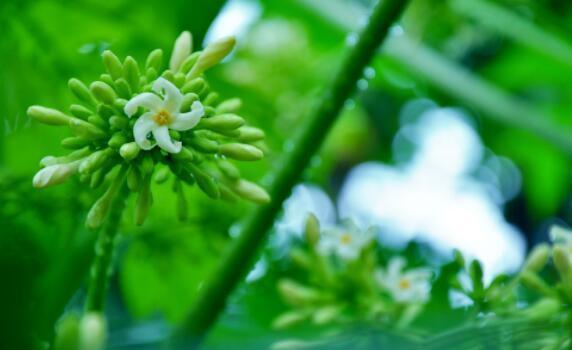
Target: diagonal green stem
[(212, 300), (101, 268)]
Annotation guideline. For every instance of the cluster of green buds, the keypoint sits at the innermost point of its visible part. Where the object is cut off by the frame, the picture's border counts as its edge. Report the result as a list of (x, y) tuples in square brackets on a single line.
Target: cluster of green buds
[(554, 296), (139, 124), (343, 280), (88, 332)]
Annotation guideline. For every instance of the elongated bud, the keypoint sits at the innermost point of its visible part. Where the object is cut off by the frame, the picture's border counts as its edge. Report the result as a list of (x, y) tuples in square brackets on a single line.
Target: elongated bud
[(155, 60), (144, 201), (559, 234), (312, 231), (92, 332), (301, 258), (134, 180), (326, 314), (103, 92), (212, 55), (81, 92), (80, 111), (227, 194), (476, 273), (117, 140), (251, 191), (185, 155), (229, 106), (67, 333), (537, 258), (241, 151), (205, 145), (161, 176), (228, 169), (545, 308), (48, 115), (100, 208), (290, 319), (222, 122), (129, 151), (118, 122), (122, 87), (131, 73), (181, 50), (75, 155), (297, 294), (95, 161), (54, 174), (206, 182), (535, 283), (196, 85), (250, 134), (75, 142), (189, 62), (113, 64), (182, 206), (562, 262)]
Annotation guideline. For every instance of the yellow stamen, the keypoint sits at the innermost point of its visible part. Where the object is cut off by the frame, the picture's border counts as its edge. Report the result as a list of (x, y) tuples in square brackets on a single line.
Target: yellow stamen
[(163, 118), (404, 283), (345, 239)]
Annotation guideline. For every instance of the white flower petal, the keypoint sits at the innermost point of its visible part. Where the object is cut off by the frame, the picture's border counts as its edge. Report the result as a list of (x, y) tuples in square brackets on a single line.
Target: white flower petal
[(164, 141), (395, 266), (173, 97), (146, 99), (143, 126), (189, 120)]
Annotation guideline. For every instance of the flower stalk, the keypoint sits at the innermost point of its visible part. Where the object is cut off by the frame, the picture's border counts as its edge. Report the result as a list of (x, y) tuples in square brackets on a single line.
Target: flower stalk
[(212, 300)]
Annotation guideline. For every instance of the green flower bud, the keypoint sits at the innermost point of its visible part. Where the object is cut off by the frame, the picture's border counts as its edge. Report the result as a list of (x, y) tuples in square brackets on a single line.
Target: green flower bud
[(113, 64), (211, 99), (154, 60), (188, 100), (227, 194), (301, 258), (147, 166), (326, 314), (55, 174), (122, 87), (543, 309), (117, 140), (189, 63), (290, 319), (81, 92), (250, 191), (229, 106), (181, 50), (134, 180), (161, 176), (92, 332), (131, 73), (297, 294), (185, 155), (212, 55), (250, 134), (103, 92), (535, 283), (97, 121), (48, 115), (144, 201), (180, 79), (196, 85), (151, 74), (105, 111), (75, 142), (228, 169), (476, 273), (203, 144), (182, 206), (98, 212), (537, 258), (129, 151), (221, 122), (241, 151), (118, 123), (95, 161), (106, 78), (80, 111), (312, 231), (67, 333), (206, 182), (75, 155), (561, 257)]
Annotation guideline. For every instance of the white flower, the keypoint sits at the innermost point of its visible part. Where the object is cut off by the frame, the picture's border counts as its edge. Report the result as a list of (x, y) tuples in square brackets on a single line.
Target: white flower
[(55, 174), (561, 235), (346, 241), (162, 115), (404, 286)]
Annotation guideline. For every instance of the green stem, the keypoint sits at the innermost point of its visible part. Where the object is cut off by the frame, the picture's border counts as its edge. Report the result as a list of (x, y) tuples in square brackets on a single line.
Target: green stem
[(101, 268), (230, 272)]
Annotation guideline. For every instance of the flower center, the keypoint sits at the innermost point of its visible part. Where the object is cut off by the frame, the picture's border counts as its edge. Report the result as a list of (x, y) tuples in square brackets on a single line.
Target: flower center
[(404, 283), (163, 118), (345, 239)]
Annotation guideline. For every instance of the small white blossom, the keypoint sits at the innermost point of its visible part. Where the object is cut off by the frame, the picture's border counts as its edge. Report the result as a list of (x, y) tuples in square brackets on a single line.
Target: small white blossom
[(404, 286), (162, 115), (55, 174), (561, 235), (346, 241)]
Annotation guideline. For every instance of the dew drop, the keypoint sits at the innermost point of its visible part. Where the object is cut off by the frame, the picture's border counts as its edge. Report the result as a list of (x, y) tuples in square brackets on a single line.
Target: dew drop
[(352, 39), (349, 104), (234, 230), (362, 84), (369, 73)]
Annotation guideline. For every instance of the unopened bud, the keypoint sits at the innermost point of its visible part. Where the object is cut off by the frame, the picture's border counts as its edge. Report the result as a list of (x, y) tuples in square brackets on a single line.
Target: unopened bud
[(196, 85), (561, 257), (99, 210), (154, 60), (241, 151), (326, 314), (81, 92), (312, 230), (545, 308), (535, 283), (222, 122), (67, 333), (251, 191), (250, 134), (181, 50), (205, 181), (144, 201), (297, 294), (95, 161), (205, 145), (228, 169), (559, 234), (117, 140), (229, 106), (189, 62), (129, 151), (537, 258), (290, 319), (131, 73), (48, 115), (54, 174), (92, 332), (113, 64), (122, 87), (80, 111), (103, 92), (212, 55)]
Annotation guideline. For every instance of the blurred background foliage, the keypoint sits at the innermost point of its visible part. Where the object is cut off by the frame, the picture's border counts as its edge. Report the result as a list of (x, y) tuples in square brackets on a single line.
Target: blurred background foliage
[(287, 53)]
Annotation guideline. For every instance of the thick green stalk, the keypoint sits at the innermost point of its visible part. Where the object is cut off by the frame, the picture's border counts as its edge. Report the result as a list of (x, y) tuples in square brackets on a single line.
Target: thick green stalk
[(212, 300), (101, 268)]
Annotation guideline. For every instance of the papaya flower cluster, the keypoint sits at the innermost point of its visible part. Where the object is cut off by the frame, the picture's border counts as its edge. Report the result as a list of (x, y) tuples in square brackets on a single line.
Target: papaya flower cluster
[(142, 123), (341, 279)]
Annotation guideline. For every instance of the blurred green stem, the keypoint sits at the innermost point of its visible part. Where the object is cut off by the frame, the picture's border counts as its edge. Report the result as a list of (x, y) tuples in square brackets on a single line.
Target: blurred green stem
[(230, 272), (473, 91), (516, 27), (101, 268)]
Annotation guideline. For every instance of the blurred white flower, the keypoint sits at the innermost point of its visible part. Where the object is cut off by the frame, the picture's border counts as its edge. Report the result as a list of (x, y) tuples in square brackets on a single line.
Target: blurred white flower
[(345, 241), (404, 286), (561, 235), (162, 115)]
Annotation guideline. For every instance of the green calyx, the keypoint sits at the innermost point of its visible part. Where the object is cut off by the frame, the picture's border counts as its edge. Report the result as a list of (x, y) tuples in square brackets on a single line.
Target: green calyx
[(103, 133)]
